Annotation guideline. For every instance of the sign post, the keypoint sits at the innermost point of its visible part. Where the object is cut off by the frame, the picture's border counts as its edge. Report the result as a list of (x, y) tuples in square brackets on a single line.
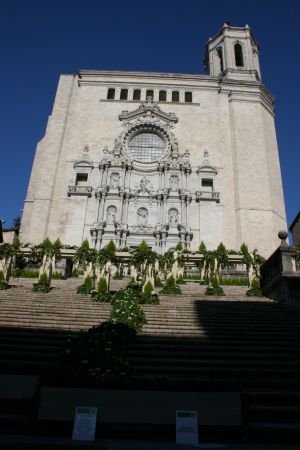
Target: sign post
[(186, 427), (84, 424)]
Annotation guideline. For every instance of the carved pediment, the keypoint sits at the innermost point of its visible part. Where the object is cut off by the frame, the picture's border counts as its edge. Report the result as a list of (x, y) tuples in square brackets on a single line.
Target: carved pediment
[(207, 169), (83, 163), (148, 109)]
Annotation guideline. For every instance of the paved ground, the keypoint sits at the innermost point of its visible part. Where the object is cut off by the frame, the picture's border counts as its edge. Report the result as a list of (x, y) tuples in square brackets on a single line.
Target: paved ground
[(53, 442)]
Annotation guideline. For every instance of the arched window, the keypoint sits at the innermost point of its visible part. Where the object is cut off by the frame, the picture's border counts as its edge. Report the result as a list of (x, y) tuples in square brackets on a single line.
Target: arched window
[(111, 215), (124, 94), (220, 56), (238, 53), (111, 93), (175, 96), (162, 96), (137, 94), (188, 97)]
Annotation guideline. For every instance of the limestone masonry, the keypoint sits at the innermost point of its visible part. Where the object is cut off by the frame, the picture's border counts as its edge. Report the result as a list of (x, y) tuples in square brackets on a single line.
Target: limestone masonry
[(161, 157)]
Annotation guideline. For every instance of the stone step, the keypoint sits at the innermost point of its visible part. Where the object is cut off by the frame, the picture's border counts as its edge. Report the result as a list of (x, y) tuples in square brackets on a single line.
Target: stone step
[(274, 429), (283, 413)]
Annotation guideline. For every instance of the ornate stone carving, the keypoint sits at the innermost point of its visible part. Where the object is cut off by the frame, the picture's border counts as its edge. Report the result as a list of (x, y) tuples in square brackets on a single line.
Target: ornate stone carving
[(146, 110)]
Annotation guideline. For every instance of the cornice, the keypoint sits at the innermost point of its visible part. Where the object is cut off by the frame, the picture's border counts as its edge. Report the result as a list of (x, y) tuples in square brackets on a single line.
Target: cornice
[(133, 74)]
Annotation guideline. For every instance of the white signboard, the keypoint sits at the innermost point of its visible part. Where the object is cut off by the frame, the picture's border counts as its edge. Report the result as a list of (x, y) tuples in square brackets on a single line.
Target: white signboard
[(187, 427), (84, 424)]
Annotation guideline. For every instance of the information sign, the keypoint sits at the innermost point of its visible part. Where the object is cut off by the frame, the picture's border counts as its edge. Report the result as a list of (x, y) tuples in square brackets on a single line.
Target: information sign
[(186, 427), (85, 424)]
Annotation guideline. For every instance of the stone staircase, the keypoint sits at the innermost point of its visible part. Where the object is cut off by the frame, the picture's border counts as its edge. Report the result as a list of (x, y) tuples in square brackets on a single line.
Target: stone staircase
[(230, 343)]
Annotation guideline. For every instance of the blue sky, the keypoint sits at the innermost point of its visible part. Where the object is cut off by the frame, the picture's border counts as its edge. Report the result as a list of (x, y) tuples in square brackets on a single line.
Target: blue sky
[(39, 40)]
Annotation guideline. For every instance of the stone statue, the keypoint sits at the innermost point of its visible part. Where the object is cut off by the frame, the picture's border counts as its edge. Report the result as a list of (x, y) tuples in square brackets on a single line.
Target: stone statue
[(173, 182), (111, 215), (142, 216), (114, 180), (173, 216), (144, 184)]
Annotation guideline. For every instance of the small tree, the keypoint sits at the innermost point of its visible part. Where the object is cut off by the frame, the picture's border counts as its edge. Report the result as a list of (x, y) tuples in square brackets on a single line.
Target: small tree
[(46, 253), (201, 263), (8, 254)]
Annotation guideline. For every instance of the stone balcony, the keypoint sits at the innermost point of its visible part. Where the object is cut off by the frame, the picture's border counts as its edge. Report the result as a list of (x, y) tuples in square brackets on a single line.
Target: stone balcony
[(80, 190), (208, 196)]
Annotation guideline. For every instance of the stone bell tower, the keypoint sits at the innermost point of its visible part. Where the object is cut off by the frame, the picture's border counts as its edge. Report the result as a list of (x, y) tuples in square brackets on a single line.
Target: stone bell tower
[(233, 53)]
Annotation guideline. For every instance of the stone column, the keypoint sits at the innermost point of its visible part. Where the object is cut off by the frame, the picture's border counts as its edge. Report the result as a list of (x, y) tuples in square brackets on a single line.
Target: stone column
[(130, 94), (188, 204), (165, 197)]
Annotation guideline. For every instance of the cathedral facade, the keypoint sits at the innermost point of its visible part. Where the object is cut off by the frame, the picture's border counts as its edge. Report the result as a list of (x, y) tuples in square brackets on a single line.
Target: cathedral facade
[(161, 157)]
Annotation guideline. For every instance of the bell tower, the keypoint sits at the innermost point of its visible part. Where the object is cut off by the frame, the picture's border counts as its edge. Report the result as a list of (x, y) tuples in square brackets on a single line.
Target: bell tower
[(233, 53)]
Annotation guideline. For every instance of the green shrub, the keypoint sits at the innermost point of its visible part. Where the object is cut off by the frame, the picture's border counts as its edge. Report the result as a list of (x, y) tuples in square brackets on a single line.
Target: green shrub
[(214, 288), (76, 272), (148, 289), (132, 281), (192, 276), (126, 309), (148, 297), (86, 287), (58, 276), (96, 355), (100, 297), (26, 273), (180, 279), (158, 282), (254, 290), (102, 285), (111, 246), (233, 281), (179, 247), (3, 284), (42, 285), (171, 287), (151, 299), (118, 275)]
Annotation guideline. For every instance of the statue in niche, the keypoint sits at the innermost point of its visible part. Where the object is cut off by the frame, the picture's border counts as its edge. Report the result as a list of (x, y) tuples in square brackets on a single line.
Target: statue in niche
[(173, 216), (114, 180), (142, 217), (111, 215), (205, 157), (144, 184), (173, 182), (105, 153)]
